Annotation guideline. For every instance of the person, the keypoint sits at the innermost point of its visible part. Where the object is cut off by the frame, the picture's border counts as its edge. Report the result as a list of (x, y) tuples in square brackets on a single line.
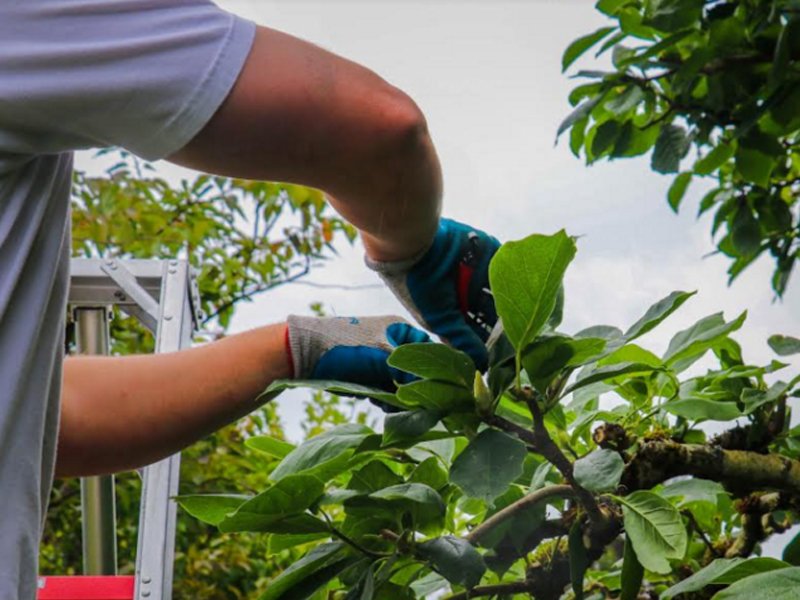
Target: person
[(189, 82)]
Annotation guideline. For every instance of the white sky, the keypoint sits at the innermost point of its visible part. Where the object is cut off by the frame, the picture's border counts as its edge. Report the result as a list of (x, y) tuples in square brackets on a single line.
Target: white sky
[(487, 75)]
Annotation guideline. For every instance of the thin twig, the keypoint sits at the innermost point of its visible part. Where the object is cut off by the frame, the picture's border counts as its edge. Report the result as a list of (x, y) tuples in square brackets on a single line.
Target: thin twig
[(525, 435), (696, 526), (350, 542)]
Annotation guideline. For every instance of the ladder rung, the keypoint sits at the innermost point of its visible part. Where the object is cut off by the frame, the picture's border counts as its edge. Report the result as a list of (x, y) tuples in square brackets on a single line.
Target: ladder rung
[(86, 588)]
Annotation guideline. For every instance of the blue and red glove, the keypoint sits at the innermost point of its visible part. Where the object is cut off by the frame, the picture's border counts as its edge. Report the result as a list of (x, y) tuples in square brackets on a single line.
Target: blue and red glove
[(446, 287), (350, 349)]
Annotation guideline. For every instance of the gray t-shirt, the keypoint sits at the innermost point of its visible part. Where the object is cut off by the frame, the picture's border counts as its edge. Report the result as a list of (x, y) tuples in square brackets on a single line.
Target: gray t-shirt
[(145, 75)]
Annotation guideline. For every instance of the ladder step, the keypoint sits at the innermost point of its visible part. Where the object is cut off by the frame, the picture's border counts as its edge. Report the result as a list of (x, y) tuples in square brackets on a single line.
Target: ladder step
[(86, 588)]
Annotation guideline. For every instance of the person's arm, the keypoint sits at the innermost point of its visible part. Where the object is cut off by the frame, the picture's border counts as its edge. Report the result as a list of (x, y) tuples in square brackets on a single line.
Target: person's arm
[(120, 413), (303, 115)]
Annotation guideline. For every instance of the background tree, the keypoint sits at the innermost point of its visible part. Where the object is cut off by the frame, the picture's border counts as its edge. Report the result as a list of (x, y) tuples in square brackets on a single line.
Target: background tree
[(244, 238), (711, 89), (578, 467)]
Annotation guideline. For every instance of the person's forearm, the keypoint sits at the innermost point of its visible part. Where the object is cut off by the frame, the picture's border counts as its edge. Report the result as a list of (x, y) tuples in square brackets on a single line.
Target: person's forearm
[(121, 413), (304, 115)]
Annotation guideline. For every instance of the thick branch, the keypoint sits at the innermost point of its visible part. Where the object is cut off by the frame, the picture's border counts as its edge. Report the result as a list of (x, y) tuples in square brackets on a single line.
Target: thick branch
[(752, 533), (526, 503), (655, 462)]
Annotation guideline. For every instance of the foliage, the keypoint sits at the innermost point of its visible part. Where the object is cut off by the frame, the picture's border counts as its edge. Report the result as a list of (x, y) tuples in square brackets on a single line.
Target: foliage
[(245, 238), (577, 467), (711, 89)]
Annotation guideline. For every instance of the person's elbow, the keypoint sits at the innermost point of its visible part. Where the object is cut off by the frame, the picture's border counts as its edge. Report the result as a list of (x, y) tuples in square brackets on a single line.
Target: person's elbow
[(404, 128)]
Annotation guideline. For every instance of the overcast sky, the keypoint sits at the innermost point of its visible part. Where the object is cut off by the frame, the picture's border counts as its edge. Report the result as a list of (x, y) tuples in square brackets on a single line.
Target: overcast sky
[(487, 75)]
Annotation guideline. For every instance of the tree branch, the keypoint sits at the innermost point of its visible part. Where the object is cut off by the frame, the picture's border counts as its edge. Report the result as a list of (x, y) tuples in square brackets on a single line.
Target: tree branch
[(548, 448), (696, 526), (751, 533), (509, 512), (657, 461)]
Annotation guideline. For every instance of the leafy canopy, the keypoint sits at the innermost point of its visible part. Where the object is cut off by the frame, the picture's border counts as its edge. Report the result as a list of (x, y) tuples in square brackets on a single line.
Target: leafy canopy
[(711, 91)]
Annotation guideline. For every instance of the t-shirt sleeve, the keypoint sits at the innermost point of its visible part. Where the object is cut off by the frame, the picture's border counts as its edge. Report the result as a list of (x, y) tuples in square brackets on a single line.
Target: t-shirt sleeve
[(145, 75)]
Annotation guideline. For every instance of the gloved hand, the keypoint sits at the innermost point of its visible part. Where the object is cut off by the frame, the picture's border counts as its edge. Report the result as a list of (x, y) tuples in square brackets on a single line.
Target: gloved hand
[(350, 349), (446, 287)]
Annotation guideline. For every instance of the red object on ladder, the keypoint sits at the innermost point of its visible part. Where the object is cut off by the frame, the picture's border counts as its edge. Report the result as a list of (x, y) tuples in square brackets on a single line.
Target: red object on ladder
[(86, 588)]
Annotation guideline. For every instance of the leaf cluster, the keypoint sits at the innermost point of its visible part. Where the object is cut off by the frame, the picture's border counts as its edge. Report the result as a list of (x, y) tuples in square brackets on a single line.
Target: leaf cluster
[(520, 482), (711, 91)]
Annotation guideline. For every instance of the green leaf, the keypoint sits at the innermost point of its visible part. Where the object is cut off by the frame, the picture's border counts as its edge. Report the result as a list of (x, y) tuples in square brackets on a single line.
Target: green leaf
[(513, 531), (411, 493), (632, 573), (604, 137), (581, 112), (781, 584), (430, 473), (655, 528), (278, 543), (547, 356), (434, 361), (693, 490), (690, 344), (627, 100), (436, 396), (608, 372), (455, 559), (671, 146), (723, 571), (715, 159), (600, 471), (421, 502), (525, 278), (754, 166), (270, 445), (578, 558), (290, 496), (368, 583), (631, 353), (678, 190), (783, 345), (672, 15), (581, 45), (372, 477), (339, 388), (755, 399), (656, 49), (325, 450), (695, 409), (791, 553), (491, 463), (211, 508), (408, 425), (311, 572), (745, 233), (610, 7), (656, 314)]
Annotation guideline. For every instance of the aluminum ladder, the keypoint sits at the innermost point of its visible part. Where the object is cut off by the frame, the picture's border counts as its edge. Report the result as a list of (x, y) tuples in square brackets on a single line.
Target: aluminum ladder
[(163, 296)]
